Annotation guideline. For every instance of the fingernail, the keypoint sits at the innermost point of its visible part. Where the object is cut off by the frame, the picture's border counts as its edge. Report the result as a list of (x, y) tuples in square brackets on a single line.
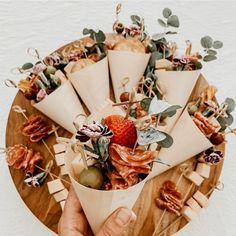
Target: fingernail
[(124, 216)]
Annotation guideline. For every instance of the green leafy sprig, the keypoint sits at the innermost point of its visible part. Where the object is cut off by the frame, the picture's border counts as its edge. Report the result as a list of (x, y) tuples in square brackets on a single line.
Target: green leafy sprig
[(210, 46)]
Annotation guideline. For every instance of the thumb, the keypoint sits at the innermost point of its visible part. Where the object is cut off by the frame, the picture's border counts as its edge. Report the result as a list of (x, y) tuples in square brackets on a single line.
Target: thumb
[(117, 222)]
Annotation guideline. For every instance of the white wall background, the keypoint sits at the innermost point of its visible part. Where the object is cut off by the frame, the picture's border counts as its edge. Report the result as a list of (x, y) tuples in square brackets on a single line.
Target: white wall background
[(47, 25)]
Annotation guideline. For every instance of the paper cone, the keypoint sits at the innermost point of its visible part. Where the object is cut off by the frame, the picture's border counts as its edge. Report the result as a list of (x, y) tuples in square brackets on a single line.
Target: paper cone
[(62, 106), (177, 87), (126, 64), (188, 142), (99, 204), (92, 83), (105, 110)]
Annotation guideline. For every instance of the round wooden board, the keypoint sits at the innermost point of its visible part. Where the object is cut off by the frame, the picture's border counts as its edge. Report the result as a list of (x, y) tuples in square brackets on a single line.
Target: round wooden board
[(44, 207)]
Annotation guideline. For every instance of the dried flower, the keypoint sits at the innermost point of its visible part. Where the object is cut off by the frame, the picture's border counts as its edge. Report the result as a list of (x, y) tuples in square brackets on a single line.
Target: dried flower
[(95, 130)]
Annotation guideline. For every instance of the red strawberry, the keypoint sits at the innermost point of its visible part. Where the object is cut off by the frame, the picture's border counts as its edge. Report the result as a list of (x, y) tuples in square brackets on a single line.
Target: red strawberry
[(124, 131)]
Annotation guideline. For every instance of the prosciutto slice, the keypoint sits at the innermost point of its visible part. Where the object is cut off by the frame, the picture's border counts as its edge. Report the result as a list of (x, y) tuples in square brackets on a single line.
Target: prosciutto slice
[(20, 157), (35, 128)]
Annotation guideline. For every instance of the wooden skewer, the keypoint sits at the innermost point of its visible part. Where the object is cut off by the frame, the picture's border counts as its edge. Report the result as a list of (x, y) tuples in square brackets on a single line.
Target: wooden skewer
[(180, 217), (183, 171)]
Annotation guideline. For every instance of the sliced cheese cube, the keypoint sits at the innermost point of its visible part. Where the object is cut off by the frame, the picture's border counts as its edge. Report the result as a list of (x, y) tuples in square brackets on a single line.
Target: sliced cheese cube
[(195, 178), (62, 204), (60, 196), (63, 170), (55, 186), (188, 213), (203, 170), (194, 205), (201, 199), (59, 148), (60, 159)]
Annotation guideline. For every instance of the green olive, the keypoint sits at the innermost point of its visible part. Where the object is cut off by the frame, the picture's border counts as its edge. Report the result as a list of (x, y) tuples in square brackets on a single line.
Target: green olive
[(51, 70), (91, 178), (192, 109)]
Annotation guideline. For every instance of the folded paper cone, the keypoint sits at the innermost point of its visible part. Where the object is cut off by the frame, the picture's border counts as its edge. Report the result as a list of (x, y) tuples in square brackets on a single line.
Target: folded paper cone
[(126, 64), (177, 87), (104, 110), (92, 83), (99, 204), (61, 106), (188, 142)]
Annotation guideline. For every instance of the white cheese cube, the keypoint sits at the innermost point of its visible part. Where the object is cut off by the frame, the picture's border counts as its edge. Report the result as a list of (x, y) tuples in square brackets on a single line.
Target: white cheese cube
[(195, 178), (55, 186), (203, 170), (60, 196), (201, 199)]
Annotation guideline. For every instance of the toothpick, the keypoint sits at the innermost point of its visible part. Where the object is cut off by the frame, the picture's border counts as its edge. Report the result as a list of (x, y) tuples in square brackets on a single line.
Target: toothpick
[(22, 111), (52, 175), (125, 103), (129, 106), (183, 170), (79, 147)]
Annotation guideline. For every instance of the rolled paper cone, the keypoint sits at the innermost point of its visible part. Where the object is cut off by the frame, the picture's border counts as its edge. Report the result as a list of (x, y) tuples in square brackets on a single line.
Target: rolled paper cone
[(92, 83), (177, 87), (126, 64), (99, 204), (62, 106), (105, 110), (188, 142)]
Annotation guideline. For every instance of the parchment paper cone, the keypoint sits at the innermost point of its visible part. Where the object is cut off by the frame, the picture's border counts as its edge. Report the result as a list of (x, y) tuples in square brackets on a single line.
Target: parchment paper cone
[(126, 64), (188, 142), (177, 87), (92, 83), (98, 204), (61, 106)]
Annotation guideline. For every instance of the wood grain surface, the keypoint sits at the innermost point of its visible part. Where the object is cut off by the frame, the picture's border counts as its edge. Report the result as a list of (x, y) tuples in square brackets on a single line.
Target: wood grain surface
[(48, 211)]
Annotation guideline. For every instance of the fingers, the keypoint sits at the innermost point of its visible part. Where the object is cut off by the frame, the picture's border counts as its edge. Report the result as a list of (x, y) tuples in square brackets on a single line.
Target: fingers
[(72, 203), (117, 222)]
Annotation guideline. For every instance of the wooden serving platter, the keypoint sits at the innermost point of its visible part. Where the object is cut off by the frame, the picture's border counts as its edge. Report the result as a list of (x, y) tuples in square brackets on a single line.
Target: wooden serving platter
[(44, 207)]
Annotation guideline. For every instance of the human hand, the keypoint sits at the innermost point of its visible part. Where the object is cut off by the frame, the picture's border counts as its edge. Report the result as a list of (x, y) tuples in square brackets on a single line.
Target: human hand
[(73, 221)]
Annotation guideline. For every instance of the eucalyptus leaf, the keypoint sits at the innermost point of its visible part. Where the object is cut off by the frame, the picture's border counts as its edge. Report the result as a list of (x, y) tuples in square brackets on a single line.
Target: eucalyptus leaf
[(157, 37), (217, 44), (212, 52), (173, 21), (166, 12), (145, 103), (100, 36), (231, 104), (149, 136), (135, 19), (162, 23), (27, 66), (208, 58), (152, 47), (167, 142), (156, 106), (225, 121), (206, 42), (86, 31), (155, 56), (171, 32), (170, 111)]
